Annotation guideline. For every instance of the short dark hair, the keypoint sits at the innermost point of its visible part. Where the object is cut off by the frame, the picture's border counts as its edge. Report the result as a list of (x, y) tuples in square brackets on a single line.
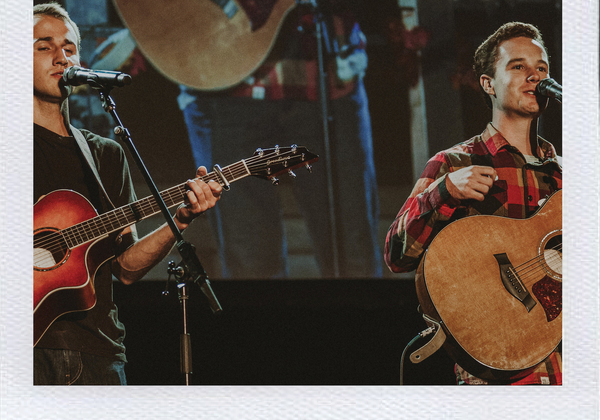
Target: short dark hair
[(487, 53), (57, 11)]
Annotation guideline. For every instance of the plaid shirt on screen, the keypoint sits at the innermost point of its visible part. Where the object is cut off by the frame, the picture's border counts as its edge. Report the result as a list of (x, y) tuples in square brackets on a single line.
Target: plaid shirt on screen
[(521, 187), (291, 69)]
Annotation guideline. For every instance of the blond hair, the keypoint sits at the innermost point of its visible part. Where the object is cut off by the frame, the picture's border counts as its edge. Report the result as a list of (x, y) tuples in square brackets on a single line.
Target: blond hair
[(57, 11)]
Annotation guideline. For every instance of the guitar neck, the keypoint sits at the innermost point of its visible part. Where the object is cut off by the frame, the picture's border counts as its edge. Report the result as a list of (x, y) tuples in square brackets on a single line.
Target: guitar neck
[(129, 214)]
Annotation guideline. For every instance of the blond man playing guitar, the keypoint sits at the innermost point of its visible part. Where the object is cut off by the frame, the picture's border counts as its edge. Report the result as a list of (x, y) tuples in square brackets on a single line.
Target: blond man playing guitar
[(86, 347)]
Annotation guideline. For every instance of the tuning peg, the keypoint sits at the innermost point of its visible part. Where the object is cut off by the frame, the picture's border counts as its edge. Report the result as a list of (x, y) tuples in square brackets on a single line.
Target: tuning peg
[(308, 167), (260, 152), (294, 148), (276, 149), (291, 174), (275, 181)]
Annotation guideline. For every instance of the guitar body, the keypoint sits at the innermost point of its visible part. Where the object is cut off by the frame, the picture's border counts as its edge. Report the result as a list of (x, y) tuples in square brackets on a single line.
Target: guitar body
[(195, 43), (71, 241), (490, 332), (63, 277)]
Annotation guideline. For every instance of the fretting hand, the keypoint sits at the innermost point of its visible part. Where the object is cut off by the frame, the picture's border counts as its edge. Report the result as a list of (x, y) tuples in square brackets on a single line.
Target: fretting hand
[(200, 197)]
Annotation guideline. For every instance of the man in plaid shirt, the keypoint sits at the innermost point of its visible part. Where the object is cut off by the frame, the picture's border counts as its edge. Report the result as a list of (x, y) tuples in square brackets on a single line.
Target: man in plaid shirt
[(507, 171)]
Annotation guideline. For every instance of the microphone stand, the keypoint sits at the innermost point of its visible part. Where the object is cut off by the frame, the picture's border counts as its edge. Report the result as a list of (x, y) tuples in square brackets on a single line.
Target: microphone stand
[(322, 36), (190, 268)]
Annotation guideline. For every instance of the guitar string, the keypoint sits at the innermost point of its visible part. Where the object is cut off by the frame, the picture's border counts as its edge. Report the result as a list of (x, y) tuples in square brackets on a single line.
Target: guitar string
[(535, 276), (523, 267), (103, 224), (539, 261), (532, 275), (235, 174), (56, 242)]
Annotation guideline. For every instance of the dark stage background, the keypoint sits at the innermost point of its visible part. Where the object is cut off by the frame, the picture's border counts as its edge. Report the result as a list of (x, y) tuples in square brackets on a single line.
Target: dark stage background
[(313, 332), (306, 330)]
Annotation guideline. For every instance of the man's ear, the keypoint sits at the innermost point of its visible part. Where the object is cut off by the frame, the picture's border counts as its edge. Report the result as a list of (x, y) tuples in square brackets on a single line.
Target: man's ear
[(487, 84)]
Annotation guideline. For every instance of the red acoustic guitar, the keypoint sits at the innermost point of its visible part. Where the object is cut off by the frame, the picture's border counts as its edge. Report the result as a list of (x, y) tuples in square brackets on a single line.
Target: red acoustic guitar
[(494, 284), (71, 241)]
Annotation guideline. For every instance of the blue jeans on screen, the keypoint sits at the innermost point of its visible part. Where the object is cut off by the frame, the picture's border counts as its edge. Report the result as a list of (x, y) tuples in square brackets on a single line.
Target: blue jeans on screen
[(248, 220)]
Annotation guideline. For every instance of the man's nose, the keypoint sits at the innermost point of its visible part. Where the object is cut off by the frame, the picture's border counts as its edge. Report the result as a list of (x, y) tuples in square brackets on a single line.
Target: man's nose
[(60, 57), (534, 76)]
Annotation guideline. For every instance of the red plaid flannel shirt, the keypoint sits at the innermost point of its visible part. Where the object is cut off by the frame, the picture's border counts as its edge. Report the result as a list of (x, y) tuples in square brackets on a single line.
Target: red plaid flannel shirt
[(516, 193), (291, 69)]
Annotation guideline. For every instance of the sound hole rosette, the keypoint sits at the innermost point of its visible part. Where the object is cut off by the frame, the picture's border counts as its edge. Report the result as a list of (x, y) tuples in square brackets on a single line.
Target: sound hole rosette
[(550, 252), (50, 250)]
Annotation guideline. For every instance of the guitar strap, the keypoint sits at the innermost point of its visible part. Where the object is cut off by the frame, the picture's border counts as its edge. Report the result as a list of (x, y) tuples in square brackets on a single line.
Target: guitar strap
[(433, 345), (87, 154)]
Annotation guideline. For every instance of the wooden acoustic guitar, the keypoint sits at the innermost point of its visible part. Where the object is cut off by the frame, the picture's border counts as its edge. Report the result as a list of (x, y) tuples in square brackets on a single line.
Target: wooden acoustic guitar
[(71, 241), (495, 286), (205, 44)]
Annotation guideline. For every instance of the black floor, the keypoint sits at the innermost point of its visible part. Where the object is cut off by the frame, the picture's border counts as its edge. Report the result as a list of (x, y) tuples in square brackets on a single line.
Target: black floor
[(300, 332)]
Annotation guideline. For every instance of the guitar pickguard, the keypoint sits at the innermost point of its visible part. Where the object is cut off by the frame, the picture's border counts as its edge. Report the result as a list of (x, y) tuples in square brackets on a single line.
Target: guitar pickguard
[(549, 293), (548, 290)]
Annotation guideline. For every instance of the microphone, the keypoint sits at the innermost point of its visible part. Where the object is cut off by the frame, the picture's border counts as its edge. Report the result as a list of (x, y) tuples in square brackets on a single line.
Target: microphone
[(550, 88), (98, 79)]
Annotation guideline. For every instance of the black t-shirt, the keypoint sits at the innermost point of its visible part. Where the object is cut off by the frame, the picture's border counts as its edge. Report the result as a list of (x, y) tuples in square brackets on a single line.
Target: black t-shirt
[(59, 164)]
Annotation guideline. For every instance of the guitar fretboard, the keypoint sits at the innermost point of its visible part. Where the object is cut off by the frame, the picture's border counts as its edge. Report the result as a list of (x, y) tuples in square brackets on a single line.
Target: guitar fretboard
[(129, 214)]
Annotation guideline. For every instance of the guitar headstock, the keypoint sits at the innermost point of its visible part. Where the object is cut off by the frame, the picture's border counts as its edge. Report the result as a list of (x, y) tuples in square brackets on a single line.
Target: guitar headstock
[(270, 163)]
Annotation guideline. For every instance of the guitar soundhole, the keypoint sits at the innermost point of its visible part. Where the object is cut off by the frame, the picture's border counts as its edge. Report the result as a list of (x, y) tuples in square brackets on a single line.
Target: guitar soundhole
[(49, 250), (552, 252)]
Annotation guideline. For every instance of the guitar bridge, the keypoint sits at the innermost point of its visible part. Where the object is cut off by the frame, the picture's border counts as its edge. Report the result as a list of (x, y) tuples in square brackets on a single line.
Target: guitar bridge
[(512, 283)]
